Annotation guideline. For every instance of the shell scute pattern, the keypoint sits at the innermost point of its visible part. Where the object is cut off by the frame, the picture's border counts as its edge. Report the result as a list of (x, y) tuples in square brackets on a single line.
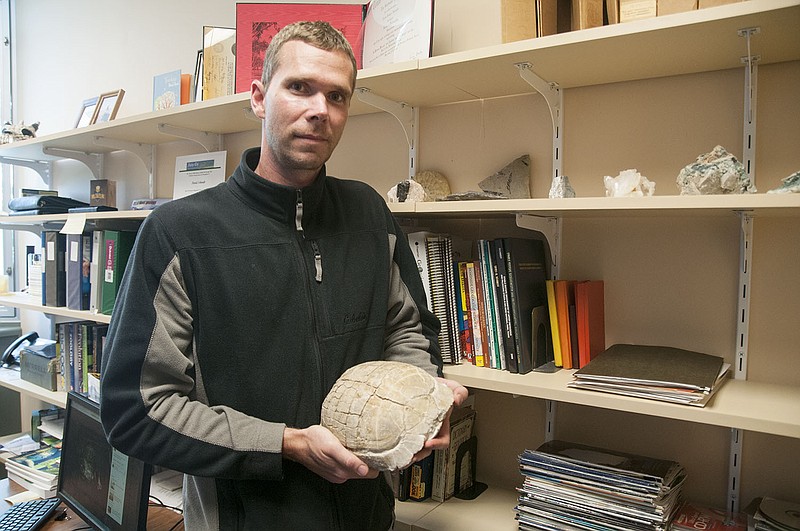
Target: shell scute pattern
[(384, 411)]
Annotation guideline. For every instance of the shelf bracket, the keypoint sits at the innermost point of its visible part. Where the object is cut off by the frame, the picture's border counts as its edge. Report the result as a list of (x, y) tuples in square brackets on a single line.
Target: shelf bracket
[(550, 227), (209, 141), (750, 85), (43, 167), (408, 117), (554, 97), (145, 153), (93, 161), (550, 420)]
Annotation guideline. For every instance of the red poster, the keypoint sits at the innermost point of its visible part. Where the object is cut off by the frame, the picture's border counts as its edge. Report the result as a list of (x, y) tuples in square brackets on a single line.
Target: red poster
[(256, 24)]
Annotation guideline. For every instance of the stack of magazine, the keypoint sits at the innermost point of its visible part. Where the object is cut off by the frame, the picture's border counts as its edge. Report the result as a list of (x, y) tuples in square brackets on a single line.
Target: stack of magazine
[(36, 471), (654, 372), (569, 486)]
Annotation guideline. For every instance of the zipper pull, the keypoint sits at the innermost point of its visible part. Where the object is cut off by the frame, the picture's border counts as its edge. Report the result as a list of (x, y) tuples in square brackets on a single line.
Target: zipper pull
[(317, 262), (298, 212)]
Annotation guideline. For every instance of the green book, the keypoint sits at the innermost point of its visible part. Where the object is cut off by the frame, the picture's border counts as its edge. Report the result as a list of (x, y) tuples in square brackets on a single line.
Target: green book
[(117, 246)]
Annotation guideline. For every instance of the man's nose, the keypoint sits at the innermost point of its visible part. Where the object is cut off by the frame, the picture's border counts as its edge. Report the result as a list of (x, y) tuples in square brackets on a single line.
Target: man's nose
[(318, 106)]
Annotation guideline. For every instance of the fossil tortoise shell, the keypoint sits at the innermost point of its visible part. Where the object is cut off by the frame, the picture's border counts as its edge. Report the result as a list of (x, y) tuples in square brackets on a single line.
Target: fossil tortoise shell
[(384, 411)]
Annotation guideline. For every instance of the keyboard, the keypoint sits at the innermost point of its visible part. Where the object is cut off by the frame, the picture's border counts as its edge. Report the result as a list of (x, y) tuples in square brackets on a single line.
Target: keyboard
[(28, 515)]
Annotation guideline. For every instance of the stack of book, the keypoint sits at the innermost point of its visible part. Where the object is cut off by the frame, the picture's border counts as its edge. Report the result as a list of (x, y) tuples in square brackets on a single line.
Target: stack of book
[(654, 372), (572, 486), (490, 298), (36, 471)]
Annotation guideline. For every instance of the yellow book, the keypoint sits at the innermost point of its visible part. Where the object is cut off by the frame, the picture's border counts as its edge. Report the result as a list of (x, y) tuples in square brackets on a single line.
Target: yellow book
[(551, 306)]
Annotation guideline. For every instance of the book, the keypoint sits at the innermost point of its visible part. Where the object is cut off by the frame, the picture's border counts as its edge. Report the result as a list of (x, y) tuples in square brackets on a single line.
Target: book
[(477, 297), (117, 248), (692, 516), (74, 265), (478, 324), (493, 325), (55, 274), (526, 263), (103, 192), (442, 281), (421, 480), (504, 305), (565, 296), (148, 204), (590, 313), (553, 314), (464, 313), (462, 421), (167, 90), (95, 279)]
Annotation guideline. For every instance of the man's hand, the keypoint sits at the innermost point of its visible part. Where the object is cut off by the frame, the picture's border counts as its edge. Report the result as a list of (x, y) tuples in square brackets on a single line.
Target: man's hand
[(320, 451), (442, 439)]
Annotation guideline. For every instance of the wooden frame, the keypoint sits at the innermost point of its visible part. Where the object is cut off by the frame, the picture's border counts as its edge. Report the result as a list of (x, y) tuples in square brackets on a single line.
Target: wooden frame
[(88, 108), (107, 106)]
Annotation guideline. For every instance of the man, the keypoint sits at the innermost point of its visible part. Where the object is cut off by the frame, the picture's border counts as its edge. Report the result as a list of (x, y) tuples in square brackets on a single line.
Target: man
[(242, 304)]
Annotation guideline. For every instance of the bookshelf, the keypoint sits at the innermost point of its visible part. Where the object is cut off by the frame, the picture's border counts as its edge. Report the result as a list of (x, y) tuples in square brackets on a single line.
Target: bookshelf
[(697, 42)]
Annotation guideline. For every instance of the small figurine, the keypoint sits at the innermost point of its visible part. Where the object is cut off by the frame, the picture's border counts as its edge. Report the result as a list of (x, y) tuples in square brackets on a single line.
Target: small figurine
[(13, 132)]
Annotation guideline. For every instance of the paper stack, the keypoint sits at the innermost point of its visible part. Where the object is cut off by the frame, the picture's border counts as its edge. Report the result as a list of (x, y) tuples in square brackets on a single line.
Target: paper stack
[(658, 373), (576, 487)]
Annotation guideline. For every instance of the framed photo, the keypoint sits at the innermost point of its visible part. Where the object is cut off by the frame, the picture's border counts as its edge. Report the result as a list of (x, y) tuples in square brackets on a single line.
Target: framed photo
[(87, 112), (218, 62), (257, 24), (107, 106)]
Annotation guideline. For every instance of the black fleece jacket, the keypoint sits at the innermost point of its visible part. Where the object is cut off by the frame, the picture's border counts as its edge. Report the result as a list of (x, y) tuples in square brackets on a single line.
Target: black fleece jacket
[(240, 307)]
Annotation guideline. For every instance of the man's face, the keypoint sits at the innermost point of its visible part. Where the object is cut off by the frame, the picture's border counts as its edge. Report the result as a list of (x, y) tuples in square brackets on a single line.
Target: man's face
[(305, 110)]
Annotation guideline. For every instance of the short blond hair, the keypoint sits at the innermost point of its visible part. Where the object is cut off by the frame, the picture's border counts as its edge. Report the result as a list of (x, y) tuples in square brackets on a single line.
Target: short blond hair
[(319, 34)]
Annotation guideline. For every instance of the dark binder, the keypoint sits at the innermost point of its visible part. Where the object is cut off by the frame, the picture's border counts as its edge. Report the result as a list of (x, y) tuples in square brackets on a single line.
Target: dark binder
[(55, 273)]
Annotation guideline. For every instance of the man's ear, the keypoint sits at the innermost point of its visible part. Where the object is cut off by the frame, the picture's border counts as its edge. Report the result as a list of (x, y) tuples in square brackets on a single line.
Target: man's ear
[(257, 97)]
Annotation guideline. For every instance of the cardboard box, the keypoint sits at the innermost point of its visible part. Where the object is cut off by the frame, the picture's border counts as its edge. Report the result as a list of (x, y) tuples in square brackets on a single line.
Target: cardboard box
[(39, 364), (712, 3), (636, 9), (668, 7), (103, 193)]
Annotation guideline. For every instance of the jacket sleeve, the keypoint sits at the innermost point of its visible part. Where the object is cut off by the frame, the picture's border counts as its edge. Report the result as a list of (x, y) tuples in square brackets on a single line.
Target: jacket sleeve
[(152, 404), (411, 328)]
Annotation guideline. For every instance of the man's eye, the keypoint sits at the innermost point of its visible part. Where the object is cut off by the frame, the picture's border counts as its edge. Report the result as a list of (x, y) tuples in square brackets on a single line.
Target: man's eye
[(296, 87), (336, 97)]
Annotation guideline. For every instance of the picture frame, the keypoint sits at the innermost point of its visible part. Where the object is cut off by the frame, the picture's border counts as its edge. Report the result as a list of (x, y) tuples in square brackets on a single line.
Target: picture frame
[(257, 23), (88, 108), (107, 106)]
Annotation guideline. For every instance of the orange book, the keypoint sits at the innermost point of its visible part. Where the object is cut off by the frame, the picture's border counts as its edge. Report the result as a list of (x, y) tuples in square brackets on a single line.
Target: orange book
[(565, 296), (186, 88), (590, 311)]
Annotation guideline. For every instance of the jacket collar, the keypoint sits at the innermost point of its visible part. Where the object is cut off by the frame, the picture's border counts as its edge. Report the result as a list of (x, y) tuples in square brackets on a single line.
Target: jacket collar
[(274, 200)]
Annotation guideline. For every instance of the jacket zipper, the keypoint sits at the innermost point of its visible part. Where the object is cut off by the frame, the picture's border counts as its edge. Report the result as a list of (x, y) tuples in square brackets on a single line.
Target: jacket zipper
[(298, 223)]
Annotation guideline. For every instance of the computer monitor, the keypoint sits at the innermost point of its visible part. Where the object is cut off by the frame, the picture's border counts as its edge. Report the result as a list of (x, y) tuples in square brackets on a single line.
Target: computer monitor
[(106, 488)]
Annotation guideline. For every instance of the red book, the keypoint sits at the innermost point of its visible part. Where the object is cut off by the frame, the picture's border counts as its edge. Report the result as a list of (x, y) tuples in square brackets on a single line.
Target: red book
[(590, 310)]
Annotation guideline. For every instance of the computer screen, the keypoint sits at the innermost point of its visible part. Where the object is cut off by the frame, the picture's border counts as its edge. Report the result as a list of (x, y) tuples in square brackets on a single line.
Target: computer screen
[(106, 488)]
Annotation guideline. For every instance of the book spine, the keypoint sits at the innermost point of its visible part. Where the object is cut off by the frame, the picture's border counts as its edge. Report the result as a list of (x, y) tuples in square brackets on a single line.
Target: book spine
[(479, 321), (510, 354), (466, 336)]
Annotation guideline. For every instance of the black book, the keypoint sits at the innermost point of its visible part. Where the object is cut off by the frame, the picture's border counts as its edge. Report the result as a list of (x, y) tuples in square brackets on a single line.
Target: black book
[(526, 267), (504, 305)]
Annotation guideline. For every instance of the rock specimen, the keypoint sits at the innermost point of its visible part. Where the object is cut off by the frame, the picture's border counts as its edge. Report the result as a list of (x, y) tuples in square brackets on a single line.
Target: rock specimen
[(629, 183), (384, 411), (790, 184), (434, 183), (513, 181), (715, 172), (560, 187)]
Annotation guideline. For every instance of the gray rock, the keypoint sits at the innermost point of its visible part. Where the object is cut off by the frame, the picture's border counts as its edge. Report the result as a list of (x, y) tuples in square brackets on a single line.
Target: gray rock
[(715, 172), (513, 181), (560, 187)]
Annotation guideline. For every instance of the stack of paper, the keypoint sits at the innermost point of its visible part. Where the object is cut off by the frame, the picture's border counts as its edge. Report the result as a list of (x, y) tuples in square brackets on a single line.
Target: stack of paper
[(654, 372), (36, 471), (571, 486)]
